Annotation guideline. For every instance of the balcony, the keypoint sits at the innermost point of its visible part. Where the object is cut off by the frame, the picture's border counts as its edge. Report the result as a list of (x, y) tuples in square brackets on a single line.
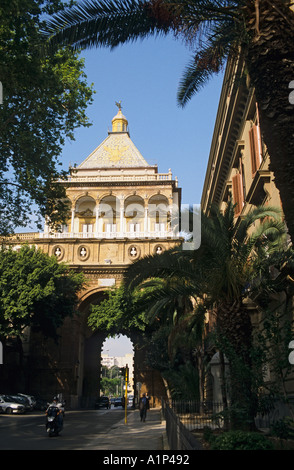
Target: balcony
[(111, 235)]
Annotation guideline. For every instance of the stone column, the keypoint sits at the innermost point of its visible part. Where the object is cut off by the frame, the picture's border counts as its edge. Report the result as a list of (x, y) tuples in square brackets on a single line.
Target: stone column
[(97, 218), (146, 228), (215, 368), (72, 218), (121, 216)]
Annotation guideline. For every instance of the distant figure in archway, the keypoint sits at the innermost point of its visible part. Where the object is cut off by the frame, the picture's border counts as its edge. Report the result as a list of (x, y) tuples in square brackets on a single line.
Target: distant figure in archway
[(143, 406)]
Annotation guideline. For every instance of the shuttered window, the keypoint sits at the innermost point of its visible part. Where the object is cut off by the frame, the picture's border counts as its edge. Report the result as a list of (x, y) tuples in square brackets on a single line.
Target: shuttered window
[(87, 228), (238, 194), (135, 228), (254, 138), (110, 228), (159, 227)]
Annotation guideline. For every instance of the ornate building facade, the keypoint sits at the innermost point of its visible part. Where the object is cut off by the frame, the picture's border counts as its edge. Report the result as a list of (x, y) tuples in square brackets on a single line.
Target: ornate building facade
[(238, 168), (121, 209), (238, 161)]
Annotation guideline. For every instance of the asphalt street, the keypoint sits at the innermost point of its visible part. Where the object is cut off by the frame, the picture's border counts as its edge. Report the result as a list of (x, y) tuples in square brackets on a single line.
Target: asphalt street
[(81, 430)]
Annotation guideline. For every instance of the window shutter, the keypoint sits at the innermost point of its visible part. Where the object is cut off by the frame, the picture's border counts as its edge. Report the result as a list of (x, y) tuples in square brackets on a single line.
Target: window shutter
[(238, 193), (87, 228), (254, 149)]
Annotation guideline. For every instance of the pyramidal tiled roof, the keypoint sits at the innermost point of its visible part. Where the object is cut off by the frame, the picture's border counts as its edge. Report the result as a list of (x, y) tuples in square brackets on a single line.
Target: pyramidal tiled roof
[(117, 150)]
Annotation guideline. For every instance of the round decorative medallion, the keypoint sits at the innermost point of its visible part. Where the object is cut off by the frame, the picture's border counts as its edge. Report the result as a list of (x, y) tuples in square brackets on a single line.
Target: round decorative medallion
[(58, 251), (158, 249), (133, 252), (83, 253)]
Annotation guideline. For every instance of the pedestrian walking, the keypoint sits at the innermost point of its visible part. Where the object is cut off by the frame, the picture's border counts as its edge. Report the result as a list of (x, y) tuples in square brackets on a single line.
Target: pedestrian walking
[(143, 407)]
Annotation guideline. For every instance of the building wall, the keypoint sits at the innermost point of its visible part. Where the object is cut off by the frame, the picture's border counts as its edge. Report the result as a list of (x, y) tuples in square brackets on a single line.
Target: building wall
[(238, 161), (238, 164)]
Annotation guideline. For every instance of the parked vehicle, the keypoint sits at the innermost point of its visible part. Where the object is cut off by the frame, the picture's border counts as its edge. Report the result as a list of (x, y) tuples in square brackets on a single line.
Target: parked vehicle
[(54, 420), (118, 402), (22, 400), (102, 402), (30, 398), (9, 405), (130, 400)]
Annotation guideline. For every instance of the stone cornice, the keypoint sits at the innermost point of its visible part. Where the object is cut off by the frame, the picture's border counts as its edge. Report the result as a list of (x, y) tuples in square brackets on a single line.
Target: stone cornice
[(70, 184), (234, 96)]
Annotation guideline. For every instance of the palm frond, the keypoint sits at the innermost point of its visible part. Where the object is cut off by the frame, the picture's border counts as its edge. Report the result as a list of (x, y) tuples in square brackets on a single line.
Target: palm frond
[(258, 213), (197, 74), (269, 236), (96, 23), (173, 262), (209, 58)]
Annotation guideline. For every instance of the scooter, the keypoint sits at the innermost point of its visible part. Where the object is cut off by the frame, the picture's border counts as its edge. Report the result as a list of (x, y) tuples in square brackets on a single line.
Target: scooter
[(54, 421)]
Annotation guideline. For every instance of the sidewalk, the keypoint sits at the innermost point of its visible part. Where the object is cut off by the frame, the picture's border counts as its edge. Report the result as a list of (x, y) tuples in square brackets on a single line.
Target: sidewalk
[(134, 434)]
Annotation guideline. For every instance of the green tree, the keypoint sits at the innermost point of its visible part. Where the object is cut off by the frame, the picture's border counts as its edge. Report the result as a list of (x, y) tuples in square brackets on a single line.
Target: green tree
[(258, 31), (220, 273), (35, 291), (139, 311), (118, 312), (273, 293), (44, 101), (110, 386)]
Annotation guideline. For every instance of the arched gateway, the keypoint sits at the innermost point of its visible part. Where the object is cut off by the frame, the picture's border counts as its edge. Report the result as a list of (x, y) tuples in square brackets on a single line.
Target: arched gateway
[(121, 209)]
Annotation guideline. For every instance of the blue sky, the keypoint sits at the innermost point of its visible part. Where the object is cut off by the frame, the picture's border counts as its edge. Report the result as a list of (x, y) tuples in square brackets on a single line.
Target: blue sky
[(145, 77), (118, 346)]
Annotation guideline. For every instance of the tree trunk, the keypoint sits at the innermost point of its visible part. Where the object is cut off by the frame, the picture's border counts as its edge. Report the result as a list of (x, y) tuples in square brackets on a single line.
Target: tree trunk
[(234, 336), (270, 63), (224, 388)]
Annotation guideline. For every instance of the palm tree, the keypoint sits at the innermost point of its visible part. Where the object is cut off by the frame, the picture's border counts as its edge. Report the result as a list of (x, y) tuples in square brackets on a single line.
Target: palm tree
[(219, 274), (260, 32), (171, 306)]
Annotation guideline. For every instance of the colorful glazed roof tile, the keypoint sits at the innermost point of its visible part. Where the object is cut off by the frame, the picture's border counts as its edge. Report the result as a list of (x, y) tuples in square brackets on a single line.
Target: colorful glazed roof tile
[(117, 150)]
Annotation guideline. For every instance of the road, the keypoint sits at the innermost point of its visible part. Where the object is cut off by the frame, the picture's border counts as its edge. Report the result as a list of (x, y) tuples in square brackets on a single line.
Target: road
[(81, 430)]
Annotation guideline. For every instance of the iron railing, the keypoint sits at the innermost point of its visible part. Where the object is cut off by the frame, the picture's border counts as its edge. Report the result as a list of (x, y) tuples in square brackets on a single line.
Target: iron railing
[(178, 436), (186, 418), (198, 415)]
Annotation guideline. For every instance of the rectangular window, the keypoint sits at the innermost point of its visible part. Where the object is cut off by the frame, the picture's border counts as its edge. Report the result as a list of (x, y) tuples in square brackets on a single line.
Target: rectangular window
[(159, 227), (87, 228), (134, 228), (255, 148), (64, 228), (110, 228), (238, 194)]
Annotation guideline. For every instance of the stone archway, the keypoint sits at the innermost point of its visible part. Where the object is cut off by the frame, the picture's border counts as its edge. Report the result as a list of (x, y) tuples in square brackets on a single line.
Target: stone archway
[(72, 366), (88, 389)]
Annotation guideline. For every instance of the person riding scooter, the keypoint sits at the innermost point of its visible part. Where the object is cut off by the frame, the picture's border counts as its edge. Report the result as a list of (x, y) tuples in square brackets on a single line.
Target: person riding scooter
[(54, 413)]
